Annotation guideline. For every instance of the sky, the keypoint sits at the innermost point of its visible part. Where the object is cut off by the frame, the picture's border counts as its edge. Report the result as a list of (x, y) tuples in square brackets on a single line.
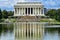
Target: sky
[(9, 4)]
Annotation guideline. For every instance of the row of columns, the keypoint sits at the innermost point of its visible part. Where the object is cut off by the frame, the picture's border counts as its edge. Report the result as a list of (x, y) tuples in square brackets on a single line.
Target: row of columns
[(22, 11)]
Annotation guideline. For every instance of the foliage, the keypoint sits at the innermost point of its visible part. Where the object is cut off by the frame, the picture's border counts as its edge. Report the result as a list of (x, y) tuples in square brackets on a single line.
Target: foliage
[(10, 13), (51, 13), (0, 14), (54, 14), (5, 14), (58, 15)]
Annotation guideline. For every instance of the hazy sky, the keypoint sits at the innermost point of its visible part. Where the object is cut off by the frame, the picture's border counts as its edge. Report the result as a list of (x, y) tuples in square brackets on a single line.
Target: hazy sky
[(9, 4)]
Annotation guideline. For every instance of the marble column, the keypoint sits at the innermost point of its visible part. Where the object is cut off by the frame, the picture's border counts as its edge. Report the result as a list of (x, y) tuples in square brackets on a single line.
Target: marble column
[(33, 11), (43, 11), (17, 10), (27, 11), (38, 11), (20, 11), (30, 11), (24, 11)]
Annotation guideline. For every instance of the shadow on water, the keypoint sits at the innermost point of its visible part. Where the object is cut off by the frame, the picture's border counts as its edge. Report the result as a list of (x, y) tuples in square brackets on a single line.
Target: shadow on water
[(52, 33), (29, 34), (28, 30), (6, 28), (0, 29), (52, 30)]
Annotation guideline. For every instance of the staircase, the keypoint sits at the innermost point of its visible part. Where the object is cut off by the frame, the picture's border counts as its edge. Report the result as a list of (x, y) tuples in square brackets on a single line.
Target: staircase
[(28, 18)]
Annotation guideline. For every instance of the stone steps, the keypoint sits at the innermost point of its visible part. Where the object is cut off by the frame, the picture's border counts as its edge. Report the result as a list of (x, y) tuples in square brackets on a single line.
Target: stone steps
[(28, 18)]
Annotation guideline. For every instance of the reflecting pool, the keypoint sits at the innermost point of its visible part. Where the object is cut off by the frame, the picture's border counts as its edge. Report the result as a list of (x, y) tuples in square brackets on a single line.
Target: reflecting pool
[(7, 32)]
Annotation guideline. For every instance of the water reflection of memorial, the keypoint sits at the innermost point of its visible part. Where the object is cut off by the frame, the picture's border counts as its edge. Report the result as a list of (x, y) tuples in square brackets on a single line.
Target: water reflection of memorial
[(28, 30)]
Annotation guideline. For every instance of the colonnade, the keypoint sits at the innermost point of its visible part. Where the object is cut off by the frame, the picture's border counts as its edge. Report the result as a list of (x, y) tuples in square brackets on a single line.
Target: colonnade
[(22, 11)]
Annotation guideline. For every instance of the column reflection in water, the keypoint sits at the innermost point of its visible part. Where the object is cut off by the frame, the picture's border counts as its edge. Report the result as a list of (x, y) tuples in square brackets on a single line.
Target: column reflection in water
[(28, 30)]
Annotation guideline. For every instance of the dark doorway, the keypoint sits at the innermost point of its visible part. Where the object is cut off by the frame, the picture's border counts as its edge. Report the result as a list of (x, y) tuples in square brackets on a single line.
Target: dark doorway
[(26, 10), (31, 10)]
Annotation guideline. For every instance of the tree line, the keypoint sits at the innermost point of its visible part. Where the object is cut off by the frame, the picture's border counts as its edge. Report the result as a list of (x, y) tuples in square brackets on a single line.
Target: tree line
[(54, 14), (5, 14)]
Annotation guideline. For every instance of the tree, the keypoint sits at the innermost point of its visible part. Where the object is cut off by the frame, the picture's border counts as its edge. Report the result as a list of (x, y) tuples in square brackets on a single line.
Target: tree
[(52, 13), (58, 15), (0, 14), (10, 13), (5, 14)]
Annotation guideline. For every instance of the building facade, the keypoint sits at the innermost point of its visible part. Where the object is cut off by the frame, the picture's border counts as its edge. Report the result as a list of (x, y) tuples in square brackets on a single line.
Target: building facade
[(27, 27), (29, 11)]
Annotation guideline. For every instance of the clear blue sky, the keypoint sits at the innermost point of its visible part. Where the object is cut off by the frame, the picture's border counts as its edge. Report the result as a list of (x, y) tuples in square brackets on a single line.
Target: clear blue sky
[(9, 4)]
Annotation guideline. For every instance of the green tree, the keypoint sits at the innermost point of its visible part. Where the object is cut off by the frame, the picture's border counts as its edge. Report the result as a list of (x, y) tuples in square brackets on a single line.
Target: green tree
[(10, 13), (52, 13), (5, 14), (58, 15), (0, 14)]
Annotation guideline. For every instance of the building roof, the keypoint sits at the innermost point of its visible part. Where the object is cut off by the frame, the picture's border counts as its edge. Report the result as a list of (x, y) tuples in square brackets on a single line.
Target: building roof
[(28, 2)]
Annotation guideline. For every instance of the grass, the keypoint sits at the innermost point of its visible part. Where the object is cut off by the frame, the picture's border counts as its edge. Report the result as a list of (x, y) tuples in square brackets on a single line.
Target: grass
[(50, 21), (55, 22), (11, 20), (42, 20)]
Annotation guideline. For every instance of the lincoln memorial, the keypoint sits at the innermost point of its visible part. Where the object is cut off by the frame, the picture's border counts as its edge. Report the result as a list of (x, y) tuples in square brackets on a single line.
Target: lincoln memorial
[(27, 26), (28, 11)]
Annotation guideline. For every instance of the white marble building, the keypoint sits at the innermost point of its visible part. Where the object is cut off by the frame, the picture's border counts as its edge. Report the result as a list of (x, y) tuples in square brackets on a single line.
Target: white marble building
[(27, 27), (30, 9)]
